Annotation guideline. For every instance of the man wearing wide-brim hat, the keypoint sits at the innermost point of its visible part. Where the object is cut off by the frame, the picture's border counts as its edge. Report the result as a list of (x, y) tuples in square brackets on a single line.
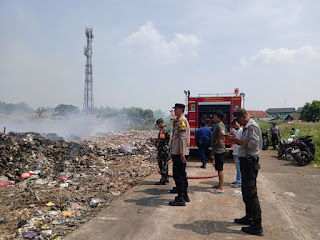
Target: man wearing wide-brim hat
[(180, 147)]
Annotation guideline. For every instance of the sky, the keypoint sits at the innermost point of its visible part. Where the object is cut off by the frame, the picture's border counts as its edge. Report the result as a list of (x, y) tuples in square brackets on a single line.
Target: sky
[(147, 52)]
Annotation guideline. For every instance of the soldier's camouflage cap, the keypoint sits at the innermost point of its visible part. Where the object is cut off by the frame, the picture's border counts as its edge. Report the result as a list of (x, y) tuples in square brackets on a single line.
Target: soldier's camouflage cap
[(160, 120)]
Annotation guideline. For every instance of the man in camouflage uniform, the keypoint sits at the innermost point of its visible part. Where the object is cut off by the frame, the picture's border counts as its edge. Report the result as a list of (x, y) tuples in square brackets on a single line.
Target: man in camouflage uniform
[(162, 144)]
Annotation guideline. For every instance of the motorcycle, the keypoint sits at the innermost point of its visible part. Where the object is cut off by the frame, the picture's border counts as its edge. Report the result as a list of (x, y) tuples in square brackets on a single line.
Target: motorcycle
[(265, 141), (285, 147), (303, 150)]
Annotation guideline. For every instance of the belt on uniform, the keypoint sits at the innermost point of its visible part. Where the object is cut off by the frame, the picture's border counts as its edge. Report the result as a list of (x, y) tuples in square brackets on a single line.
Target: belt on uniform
[(250, 159)]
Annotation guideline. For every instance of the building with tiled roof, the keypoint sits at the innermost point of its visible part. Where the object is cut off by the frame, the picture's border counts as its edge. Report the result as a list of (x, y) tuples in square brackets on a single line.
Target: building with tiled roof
[(258, 115)]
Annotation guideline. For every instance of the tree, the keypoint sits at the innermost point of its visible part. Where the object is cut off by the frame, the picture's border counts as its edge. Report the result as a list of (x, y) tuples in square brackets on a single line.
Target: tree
[(311, 112), (106, 112), (40, 110), (147, 116), (158, 114), (10, 108), (138, 116), (65, 110)]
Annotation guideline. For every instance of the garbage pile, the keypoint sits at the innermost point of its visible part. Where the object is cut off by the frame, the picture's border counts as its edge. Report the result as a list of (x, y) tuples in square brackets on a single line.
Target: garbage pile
[(48, 187)]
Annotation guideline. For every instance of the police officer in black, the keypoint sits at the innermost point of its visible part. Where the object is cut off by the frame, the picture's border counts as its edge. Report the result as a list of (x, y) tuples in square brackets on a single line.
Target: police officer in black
[(250, 147)]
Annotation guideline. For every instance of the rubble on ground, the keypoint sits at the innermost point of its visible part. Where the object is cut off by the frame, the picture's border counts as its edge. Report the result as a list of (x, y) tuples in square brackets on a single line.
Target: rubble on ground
[(48, 186)]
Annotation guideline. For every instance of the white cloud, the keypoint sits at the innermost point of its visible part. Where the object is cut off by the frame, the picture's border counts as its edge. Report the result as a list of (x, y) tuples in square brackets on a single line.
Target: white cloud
[(151, 41), (268, 55)]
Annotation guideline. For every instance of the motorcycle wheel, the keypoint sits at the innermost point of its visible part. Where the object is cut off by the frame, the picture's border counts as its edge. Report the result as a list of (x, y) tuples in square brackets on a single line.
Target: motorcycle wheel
[(300, 159), (279, 151), (287, 155)]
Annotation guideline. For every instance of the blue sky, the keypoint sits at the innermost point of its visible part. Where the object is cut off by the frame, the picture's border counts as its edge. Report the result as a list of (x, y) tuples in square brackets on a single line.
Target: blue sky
[(147, 52)]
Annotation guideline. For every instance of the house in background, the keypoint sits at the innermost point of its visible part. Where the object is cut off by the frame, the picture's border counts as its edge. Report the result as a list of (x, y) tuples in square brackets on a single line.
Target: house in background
[(259, 115), (299, 110), (280, 112), (292, 117)]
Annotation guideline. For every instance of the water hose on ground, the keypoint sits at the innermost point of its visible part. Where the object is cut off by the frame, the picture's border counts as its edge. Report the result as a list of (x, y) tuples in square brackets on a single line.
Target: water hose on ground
[(199, 177)]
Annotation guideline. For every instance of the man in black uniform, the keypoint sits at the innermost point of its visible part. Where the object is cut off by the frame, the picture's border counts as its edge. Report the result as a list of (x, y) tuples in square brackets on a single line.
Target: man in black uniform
[(180, 145), (250, 147)]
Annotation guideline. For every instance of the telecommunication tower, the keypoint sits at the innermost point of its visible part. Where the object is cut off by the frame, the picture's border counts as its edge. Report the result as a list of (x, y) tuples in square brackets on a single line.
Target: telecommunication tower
[(88, 85)]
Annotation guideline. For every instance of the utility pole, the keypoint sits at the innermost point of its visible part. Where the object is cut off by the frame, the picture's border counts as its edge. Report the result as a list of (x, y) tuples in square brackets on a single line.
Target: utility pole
[(88, 85), (285, 106)]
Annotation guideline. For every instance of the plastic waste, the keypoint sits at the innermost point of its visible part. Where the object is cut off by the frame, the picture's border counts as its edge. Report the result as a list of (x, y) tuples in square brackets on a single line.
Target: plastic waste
[(68, 213), (25, 176), (8, 183), (29, 235), (237, 193), (50, 204), (94, 202), (64, 185)]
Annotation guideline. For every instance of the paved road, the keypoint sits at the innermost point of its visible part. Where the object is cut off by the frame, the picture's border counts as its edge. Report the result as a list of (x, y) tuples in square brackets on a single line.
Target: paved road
[(289, 198)]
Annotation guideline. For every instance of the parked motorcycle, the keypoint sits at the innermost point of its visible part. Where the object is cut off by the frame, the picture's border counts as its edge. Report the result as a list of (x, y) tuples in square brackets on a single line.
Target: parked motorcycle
[(285, 147), (303, 150), (265, 141)]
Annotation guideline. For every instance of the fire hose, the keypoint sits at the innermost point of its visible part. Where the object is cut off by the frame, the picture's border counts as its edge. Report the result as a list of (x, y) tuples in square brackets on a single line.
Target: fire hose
[(199, 177), (194, 177)]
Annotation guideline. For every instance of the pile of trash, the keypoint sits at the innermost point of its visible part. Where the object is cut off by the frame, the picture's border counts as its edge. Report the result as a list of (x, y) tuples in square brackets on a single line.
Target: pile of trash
[(48, 187)]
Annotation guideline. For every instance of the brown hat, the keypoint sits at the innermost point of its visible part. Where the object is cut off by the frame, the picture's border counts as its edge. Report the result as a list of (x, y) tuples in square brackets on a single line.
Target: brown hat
[(239, 113)]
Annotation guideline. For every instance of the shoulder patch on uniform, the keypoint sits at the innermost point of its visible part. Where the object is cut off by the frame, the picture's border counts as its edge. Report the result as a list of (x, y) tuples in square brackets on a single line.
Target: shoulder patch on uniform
[(182, 125), (162, 134)]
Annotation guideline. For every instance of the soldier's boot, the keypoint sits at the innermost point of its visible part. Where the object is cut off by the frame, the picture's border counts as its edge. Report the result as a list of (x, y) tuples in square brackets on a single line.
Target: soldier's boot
[(174, 190), (186, 197), (246, 220), (254, 229), (178, 201), (165, 182), (203, 165), (159, 183)]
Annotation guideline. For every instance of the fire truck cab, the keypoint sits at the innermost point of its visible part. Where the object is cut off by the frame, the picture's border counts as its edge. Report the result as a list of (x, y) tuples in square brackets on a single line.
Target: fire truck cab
[(201, 108)]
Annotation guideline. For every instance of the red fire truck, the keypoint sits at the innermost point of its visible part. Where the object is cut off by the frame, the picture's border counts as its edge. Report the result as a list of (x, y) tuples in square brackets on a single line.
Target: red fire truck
[(201, 108)]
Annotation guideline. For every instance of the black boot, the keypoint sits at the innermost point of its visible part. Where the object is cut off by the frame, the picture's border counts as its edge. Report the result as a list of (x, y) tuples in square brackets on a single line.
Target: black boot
[(186, 197), (160, 182), (246, 220), (173, 190), (253, 229), (165, 182), (203, 166), (178, 201)]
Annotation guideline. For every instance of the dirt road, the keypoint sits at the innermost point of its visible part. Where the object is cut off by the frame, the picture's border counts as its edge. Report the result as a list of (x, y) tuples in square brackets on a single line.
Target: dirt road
[(289, 198)]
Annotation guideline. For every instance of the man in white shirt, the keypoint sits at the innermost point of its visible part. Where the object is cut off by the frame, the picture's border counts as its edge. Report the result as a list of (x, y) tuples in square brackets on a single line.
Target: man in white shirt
[(235, 147)]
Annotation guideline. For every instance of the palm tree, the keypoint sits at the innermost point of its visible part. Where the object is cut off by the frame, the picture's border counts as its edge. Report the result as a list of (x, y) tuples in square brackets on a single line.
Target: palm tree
[(40, 111)]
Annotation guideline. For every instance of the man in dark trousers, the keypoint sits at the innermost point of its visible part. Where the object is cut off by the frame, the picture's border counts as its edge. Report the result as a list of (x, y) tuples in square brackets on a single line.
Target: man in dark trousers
[(250, 147), (274, 134), (162, 144), (180, 145), (203, 137)]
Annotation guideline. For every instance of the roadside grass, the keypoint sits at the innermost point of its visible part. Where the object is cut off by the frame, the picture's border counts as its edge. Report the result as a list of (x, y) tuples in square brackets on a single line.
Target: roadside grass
[(306, 128)]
